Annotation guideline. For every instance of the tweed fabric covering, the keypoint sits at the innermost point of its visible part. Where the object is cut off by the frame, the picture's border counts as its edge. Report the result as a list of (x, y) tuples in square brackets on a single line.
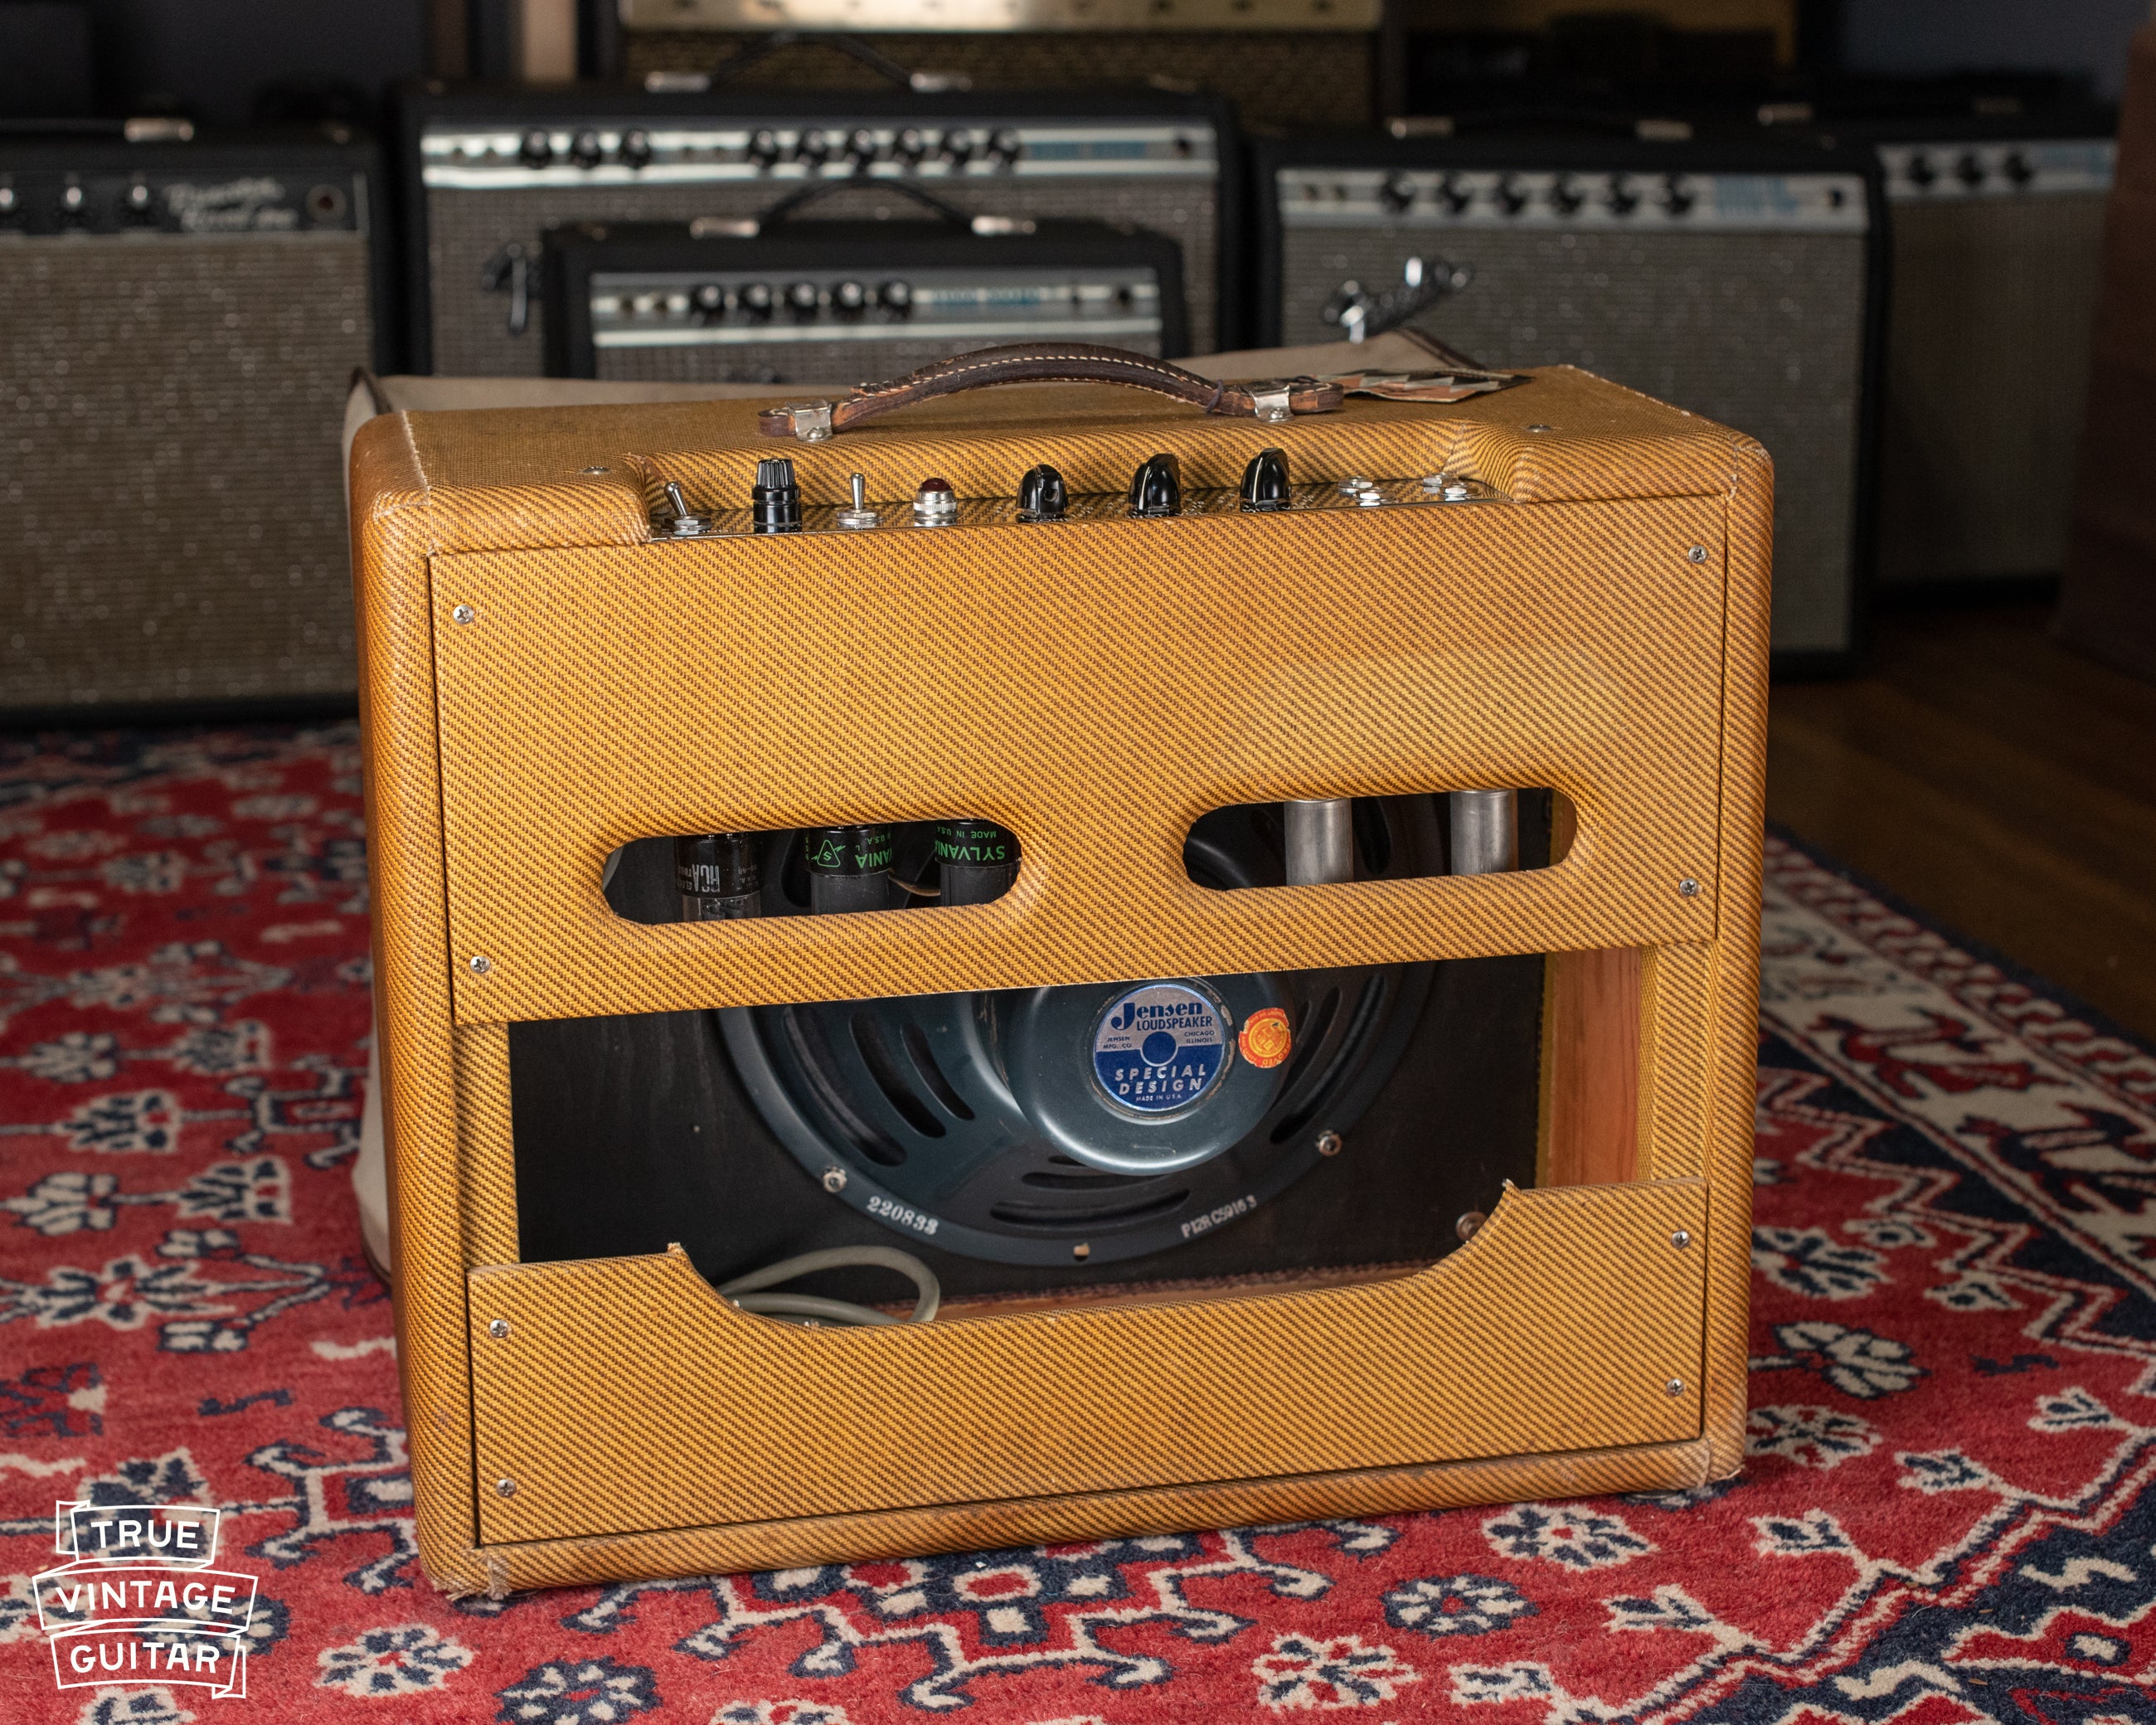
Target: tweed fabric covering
[(1945, 1512), (461, 510)]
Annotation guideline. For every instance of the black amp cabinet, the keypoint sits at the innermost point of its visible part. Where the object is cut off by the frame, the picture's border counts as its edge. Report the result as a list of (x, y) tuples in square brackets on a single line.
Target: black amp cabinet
[(1741, 280)]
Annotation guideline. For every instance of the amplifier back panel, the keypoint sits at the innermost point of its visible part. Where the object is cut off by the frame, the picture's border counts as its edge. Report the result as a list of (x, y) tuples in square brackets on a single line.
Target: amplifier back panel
[(179, 535), (1994, 300), (1765, 330)]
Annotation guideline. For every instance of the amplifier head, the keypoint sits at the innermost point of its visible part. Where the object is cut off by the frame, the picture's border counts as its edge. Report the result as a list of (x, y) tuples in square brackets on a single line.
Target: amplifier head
[(183, 321), (1235, 899), (834, 302), (1739, 281), (487, 173)]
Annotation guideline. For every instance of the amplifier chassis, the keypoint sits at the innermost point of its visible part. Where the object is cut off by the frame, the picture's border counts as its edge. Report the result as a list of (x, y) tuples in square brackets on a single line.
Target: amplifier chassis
[(532, 646)]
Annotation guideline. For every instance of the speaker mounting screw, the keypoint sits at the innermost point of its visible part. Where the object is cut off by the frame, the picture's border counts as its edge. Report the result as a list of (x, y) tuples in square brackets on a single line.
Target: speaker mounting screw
[(1330, 1143), (464, 614), (1688, 887), (834, 1180), (1675, 1386), (504, 1487), (481, 964), (1681, 1239), (499, 1329), (1698, 554)]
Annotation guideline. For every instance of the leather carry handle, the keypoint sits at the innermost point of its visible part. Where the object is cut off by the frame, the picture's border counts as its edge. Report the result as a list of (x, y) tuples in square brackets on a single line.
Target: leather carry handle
[(785, 209), (1271, 400), (742, 59)]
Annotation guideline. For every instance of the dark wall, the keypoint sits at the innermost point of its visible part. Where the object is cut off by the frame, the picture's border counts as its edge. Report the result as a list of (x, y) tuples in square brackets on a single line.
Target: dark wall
[(1920, 36), (212, 59)]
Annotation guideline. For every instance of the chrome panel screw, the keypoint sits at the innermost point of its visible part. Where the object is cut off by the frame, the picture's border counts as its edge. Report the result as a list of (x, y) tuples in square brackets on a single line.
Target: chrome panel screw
[(1681, 1239), (595, 469), (1330, 1143), (499, 1329), (1539, 429), (463, 614), (481, 964), (1469, 1225), (1675, 1386), (1688, 887), (505, 1488), (1698, 554), (834, 1180)]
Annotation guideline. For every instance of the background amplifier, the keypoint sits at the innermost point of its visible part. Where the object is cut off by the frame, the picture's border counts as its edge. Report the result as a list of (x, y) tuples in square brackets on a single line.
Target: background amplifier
[(1281, 63), (183, 321), (812, 301), (1736, 281), (1997, 235), (488, 173)]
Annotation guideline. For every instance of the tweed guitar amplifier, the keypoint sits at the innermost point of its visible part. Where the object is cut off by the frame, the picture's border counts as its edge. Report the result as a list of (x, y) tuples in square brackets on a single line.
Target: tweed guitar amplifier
[(1739, 282), (1997, 240), (802, 302), (487, 174), (183, 319), (1226, 896)]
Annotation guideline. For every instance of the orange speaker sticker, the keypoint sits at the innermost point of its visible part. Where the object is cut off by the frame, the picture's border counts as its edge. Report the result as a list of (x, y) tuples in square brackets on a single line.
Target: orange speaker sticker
[(1265, 1037)]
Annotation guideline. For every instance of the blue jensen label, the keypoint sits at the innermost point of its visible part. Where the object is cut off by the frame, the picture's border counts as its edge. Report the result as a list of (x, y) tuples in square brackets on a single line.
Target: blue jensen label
[(1160, 1048)]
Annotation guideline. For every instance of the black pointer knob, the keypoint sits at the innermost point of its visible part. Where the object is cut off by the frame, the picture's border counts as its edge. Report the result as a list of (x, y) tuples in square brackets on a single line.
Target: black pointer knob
[(1157, 487), (775, 500), (1042, 496), (1265, 481)]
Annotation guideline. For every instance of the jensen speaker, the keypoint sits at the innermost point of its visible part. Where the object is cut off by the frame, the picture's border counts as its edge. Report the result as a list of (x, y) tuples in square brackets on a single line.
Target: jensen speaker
[(1031, 934), (1739, 282), (487, 174), (184, 318)]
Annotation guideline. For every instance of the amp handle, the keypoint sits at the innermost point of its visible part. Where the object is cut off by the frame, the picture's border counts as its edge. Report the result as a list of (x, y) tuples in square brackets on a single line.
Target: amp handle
[(1272, 399)]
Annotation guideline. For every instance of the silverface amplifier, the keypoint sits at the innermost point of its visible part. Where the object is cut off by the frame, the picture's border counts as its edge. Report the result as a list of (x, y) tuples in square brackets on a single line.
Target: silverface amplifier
[(183, 320), (818, 302), (487, 174), (1997, 230), (1739, 282)]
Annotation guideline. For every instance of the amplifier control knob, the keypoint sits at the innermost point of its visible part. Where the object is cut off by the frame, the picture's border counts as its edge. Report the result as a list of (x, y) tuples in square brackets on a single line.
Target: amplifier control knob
[(1621, 199), (802, 300), (1398, 194), (1043, 495), (763, 149), (1510, 196), (861, 148), (11, 207), (815, 148), (636, 149), (958, 147), (708, 300), (1265, 487), (139, 206), (756, 300), (2016, 168), (537, 150), (909, 146), (1678, 196), (584, 150), (1564, 195), (895, 298), (1920, 171), (1970, 169), (75, 203), (849, 298), (1005, 147), (1157, 487), (1454, 196)]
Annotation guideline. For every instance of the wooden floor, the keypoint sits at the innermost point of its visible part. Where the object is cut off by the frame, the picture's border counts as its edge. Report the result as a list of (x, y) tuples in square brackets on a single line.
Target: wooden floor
[(1995, 780)]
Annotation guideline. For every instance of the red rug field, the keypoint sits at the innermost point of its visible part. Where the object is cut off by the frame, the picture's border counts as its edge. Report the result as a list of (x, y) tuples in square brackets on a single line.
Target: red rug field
[(1947, 1513)]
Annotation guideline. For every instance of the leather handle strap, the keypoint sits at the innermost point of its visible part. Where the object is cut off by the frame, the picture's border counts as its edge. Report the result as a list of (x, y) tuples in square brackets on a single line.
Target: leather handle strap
[(1050, 362)]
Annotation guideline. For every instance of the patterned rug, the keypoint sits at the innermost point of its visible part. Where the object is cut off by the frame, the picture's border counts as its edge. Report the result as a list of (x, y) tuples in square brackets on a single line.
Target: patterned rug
[(1946, 1516)]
